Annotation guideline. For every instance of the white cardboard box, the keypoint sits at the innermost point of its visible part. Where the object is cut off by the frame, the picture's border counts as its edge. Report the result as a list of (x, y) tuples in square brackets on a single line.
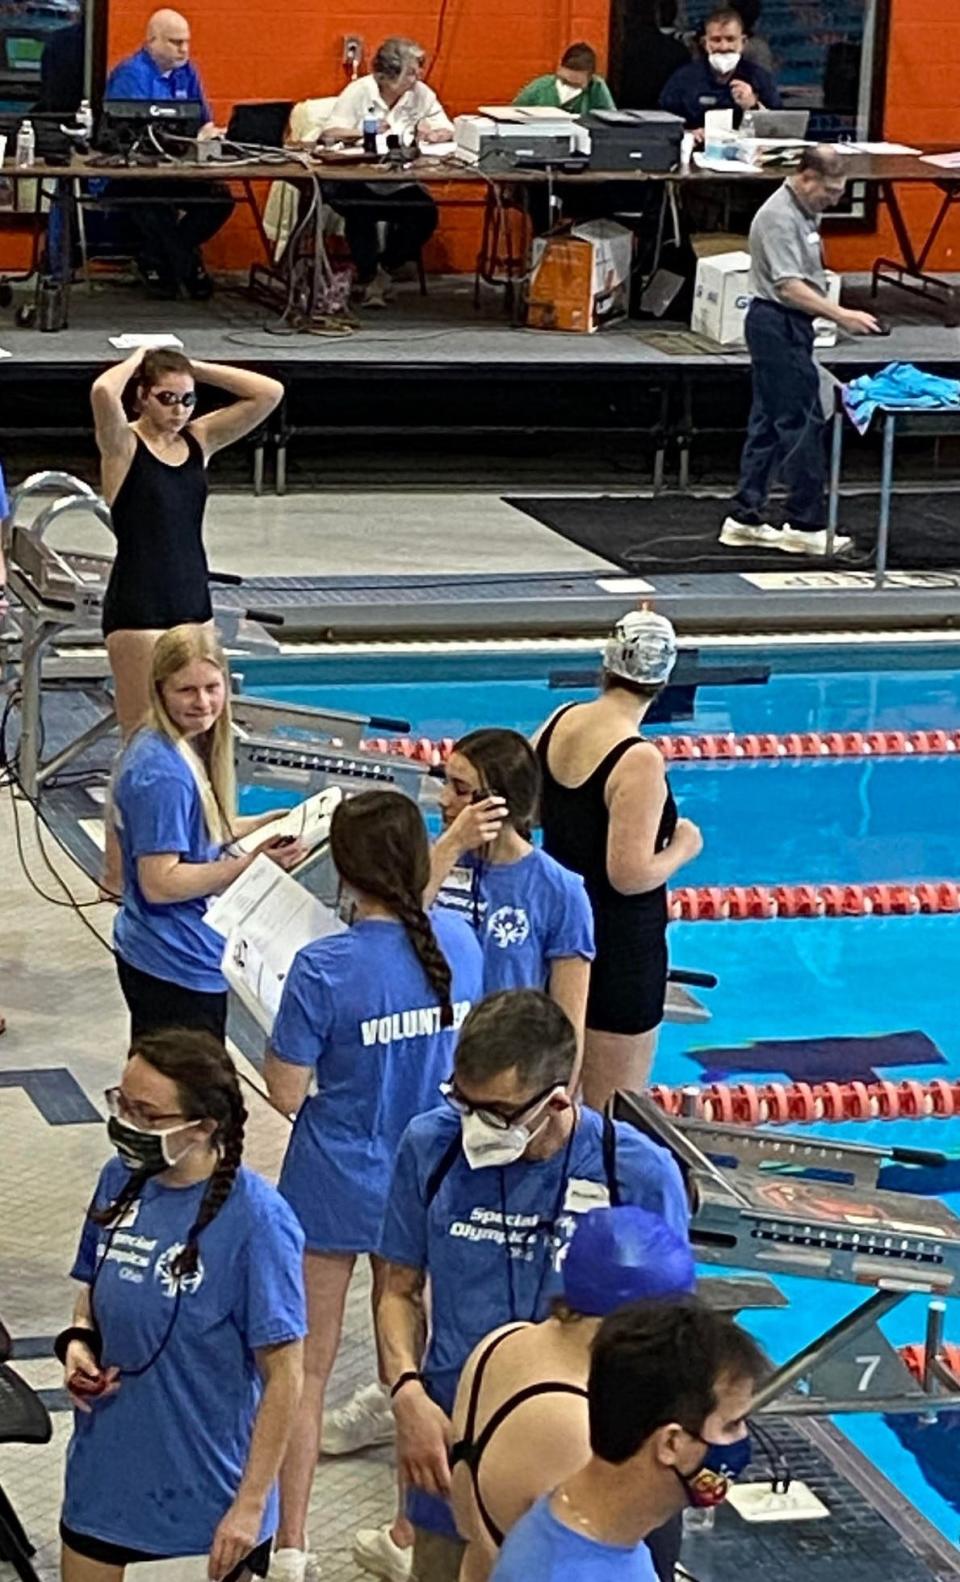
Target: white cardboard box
[(721, 299)]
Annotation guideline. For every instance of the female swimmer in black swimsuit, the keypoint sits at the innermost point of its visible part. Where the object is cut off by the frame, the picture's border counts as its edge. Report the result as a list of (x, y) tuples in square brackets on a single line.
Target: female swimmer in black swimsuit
[(154, 478)]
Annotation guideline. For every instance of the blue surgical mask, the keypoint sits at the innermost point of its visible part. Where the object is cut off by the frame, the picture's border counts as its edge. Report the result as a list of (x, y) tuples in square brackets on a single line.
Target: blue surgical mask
[(720, 1467)]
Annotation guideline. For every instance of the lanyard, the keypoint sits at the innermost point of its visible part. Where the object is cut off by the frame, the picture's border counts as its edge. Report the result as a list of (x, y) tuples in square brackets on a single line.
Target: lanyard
[(135, 1373), (542, 1225)]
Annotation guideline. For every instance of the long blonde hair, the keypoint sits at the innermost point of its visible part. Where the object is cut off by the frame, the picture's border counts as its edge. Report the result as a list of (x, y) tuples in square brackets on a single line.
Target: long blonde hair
[(209, 758)]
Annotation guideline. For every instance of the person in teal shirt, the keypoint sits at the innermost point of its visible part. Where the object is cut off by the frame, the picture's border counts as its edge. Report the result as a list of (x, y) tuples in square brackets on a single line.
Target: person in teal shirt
[(574, 86)]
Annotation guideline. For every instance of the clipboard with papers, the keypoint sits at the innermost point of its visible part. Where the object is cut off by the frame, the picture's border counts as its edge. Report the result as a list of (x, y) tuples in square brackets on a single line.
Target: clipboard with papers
[(308, 822), (265, 918)]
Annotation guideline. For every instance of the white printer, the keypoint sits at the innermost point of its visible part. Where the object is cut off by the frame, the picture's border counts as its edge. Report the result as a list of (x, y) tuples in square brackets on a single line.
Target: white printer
[(516, 134)]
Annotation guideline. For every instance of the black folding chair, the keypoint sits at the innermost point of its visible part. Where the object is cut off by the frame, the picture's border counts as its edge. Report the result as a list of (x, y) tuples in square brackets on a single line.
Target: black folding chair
[(24, 1420)]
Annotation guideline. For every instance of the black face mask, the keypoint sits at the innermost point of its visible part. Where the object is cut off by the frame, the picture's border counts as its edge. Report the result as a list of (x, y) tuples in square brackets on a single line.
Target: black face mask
[(140, 1150)]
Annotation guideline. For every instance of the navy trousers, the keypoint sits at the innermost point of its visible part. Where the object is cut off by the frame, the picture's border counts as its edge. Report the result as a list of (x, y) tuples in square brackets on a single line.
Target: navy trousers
[(785, 434)]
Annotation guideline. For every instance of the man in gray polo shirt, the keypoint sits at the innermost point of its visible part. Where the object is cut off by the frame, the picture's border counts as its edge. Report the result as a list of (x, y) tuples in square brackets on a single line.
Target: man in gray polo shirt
[(785, 432)]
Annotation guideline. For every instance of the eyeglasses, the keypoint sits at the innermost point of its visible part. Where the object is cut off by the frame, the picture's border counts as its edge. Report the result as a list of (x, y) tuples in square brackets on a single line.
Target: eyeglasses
[(499, 1116), (172, 398), (124, 1109)]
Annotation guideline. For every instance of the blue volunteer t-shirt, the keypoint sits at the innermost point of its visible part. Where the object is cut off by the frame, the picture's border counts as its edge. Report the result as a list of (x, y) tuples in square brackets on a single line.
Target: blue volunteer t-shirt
[(360, 1008), (156, 1466), (541, 1547), (493, 1240), (158, 809), (528, 914), (696, 88), (4, 498), (139, 77)]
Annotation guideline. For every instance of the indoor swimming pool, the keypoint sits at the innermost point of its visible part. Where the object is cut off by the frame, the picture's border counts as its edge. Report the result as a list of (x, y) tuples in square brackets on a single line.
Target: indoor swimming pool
[(785, 985)]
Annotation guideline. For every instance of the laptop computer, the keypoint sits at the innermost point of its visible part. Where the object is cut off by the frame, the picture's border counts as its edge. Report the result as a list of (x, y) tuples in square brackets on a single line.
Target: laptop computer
[(781, 123), (262, 125)]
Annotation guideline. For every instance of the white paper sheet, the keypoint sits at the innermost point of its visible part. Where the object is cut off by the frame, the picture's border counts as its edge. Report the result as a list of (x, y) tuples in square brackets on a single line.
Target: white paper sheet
[(439, 150), (874, 148), (524, 112), (132, 343), (726, 167), (308, 822), (945, 161), (265, 917), (187, 1568)]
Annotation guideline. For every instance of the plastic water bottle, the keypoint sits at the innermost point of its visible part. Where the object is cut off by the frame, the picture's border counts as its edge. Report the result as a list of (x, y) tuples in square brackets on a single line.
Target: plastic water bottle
[(699, 1519), (371, 126), (26, 154), (85, 118), (748, 126)]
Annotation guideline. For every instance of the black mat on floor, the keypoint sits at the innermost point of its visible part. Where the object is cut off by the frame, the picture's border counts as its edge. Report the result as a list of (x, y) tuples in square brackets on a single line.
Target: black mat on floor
[(679, 533)]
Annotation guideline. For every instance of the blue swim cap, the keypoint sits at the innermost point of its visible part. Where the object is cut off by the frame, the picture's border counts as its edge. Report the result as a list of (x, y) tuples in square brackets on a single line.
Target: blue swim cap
[(622, 1255)]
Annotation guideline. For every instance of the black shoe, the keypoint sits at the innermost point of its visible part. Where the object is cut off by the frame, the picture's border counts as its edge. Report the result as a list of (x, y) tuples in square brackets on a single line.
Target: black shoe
[(158, 283), (200, 286)]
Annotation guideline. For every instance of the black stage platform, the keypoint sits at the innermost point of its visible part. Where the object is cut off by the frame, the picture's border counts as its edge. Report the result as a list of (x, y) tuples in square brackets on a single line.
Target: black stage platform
[(434, 388)]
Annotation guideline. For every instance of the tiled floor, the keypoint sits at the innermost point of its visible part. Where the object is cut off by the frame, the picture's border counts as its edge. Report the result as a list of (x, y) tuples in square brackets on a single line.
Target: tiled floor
[(63, 1008)]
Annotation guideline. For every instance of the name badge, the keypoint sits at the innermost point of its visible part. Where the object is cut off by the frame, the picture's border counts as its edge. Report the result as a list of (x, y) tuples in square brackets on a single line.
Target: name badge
[(707, 99), (582, 1196), (459, 879)]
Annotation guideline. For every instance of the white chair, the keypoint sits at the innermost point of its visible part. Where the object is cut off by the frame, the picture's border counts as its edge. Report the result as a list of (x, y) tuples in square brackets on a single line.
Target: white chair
[(307, 120)]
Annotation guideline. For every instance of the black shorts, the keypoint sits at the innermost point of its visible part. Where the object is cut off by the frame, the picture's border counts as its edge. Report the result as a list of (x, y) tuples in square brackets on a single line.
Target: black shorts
[(628, 980), (257, 1561), (155, 1004)]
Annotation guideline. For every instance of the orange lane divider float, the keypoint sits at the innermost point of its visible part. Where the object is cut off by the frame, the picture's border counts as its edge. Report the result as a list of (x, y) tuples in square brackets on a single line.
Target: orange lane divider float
[(714, 903), (809, 744), (796, 1103), (915, 1358), (690, 749)]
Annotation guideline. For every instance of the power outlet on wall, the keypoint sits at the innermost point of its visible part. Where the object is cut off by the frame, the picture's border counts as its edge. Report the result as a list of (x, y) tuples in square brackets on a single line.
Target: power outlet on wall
[(352, 50)]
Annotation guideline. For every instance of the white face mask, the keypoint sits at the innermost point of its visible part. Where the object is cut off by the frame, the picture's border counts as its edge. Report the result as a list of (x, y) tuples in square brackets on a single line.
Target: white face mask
[(485, 1145), (724, 61), (566, 91)]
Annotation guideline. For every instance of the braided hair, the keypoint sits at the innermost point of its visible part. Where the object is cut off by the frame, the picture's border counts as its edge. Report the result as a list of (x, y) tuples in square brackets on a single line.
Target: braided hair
[(208, 1089), (379, 845)]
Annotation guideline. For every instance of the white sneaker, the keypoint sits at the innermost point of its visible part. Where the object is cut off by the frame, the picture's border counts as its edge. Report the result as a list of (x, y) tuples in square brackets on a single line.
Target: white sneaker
[(796, 543), (375, 1551), (755, 535), (378, 293), (365, 1421), (293, 1565)]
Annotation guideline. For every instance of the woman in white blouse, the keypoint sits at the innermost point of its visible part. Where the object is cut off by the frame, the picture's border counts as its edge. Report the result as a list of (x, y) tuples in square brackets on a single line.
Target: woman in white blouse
[(409, 110)]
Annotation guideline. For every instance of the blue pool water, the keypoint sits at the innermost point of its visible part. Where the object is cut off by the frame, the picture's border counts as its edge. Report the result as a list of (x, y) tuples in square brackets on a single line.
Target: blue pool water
[(856, 820)]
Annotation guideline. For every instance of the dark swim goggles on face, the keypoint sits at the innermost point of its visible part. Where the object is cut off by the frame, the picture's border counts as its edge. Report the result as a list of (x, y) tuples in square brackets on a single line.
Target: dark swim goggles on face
[(172, 398)]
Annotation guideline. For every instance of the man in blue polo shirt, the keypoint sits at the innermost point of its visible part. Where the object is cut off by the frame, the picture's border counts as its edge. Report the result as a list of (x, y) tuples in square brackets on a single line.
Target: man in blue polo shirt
[(721, 78), (485, 1197), (171, 236)]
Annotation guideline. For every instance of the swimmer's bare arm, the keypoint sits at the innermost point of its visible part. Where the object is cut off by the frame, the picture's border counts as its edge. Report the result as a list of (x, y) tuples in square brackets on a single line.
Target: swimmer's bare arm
[(116, 441), (423, 1430), (256, 396), (635, 797), (287, 1084)]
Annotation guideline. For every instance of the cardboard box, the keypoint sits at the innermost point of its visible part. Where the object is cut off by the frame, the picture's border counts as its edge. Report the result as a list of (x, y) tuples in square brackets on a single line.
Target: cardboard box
[(581, 280), (721, 299)]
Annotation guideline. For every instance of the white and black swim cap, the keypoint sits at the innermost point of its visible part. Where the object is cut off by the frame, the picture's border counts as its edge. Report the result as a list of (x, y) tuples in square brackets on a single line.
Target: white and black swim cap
[(642, 647)]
